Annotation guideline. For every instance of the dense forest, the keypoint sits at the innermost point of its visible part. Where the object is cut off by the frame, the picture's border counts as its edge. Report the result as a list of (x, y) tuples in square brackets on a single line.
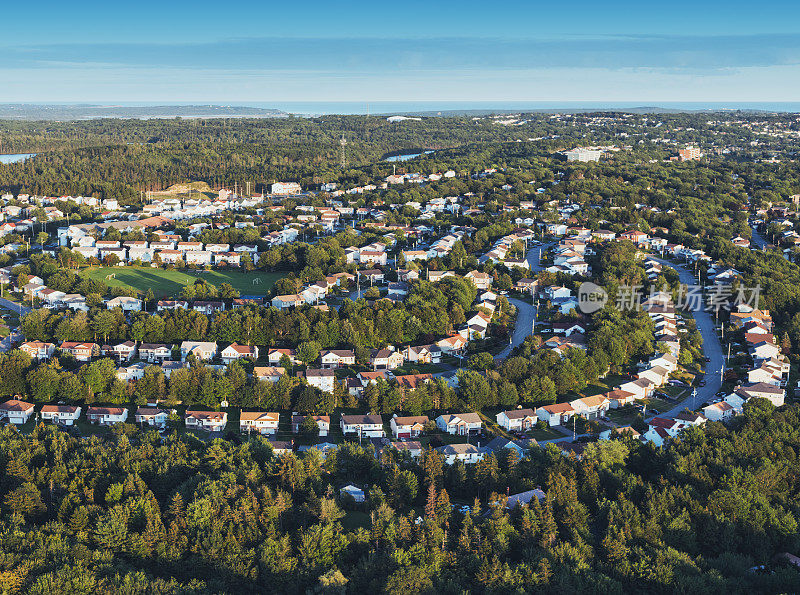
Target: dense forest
[(136, 513), (82, 157)]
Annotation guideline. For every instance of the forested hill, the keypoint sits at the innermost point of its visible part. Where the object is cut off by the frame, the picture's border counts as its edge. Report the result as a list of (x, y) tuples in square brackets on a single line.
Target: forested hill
[(136, 513), (80, 157)]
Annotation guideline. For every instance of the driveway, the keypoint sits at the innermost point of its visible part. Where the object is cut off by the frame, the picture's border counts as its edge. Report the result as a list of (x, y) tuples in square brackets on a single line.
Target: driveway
[(712, 349)]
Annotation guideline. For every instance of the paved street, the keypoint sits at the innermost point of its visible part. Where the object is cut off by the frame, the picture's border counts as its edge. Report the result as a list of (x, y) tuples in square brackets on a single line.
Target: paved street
[(522, 326), (712, 349), (535, 254), (758, 240), (14, 307)]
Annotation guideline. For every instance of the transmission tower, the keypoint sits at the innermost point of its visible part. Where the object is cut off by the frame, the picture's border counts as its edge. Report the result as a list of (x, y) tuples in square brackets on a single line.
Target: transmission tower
[(342, 143)]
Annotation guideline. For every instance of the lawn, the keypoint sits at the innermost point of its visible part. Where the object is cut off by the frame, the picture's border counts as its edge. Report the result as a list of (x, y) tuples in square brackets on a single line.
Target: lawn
[(544, 434), (167, 283)]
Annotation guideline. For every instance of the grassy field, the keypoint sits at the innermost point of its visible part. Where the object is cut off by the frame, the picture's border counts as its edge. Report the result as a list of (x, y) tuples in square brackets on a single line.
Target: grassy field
[(167, 283)]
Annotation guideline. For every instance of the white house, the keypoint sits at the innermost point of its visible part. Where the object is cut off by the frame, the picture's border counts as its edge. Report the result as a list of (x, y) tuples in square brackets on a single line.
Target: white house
[(106, 415), (38, 350), (466, 453), (61, 414), (200, 349), (367, 426), (151, 416), (408, 427), (211, 421), (262, 422), (335, 358), (322, 379), (460, 424), (128, 304), (555, 414), (269, 373), (235, 351), (518, 420), (16, 412), (719, 411)]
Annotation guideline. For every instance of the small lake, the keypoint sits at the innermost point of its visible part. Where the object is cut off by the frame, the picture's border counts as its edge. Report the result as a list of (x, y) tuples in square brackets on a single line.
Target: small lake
[(14, 157), (407, 156)]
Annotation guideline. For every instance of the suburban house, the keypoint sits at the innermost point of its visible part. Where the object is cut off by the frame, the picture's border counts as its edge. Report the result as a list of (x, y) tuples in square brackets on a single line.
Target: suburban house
[(481, 280), (461, 424), (16, 412), (412, 447), (274, 356), (336, 358), (412, 381), (200, 349), (259, 421), (38, 350), (323, 423), (619, 398), (517, 419), (368, 426), (283, 302), (151, 416), (555, 414), (591, 407), (155, 352), (61, 414), (641, 387), (719, 411), (466, 453), (281, 447), (128, 304), (211, 421), (386, 359), (106, 416), (124, 352), (661, 429), (269, 373), (83, 352), (408, 427), (322, 379), (525, 497), (452, 344), (235, 351), (423, 354)]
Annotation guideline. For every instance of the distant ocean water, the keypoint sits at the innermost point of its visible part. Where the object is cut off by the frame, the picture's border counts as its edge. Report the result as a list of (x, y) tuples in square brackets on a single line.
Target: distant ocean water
[(313, 108), (388, 107)]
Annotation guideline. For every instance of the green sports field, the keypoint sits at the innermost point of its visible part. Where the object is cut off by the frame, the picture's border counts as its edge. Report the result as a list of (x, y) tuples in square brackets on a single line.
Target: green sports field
[(166, 283)]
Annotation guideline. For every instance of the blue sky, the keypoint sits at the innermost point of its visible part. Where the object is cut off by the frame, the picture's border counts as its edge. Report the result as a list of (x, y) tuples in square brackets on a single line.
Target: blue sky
[(238, 51)]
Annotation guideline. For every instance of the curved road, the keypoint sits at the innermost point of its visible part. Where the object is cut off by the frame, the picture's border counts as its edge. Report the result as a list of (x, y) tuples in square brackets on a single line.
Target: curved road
[(712, 349)]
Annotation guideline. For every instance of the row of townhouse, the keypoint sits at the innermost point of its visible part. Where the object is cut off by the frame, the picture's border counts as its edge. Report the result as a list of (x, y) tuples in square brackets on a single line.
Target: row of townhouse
[(154, 353), (165, 250)]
